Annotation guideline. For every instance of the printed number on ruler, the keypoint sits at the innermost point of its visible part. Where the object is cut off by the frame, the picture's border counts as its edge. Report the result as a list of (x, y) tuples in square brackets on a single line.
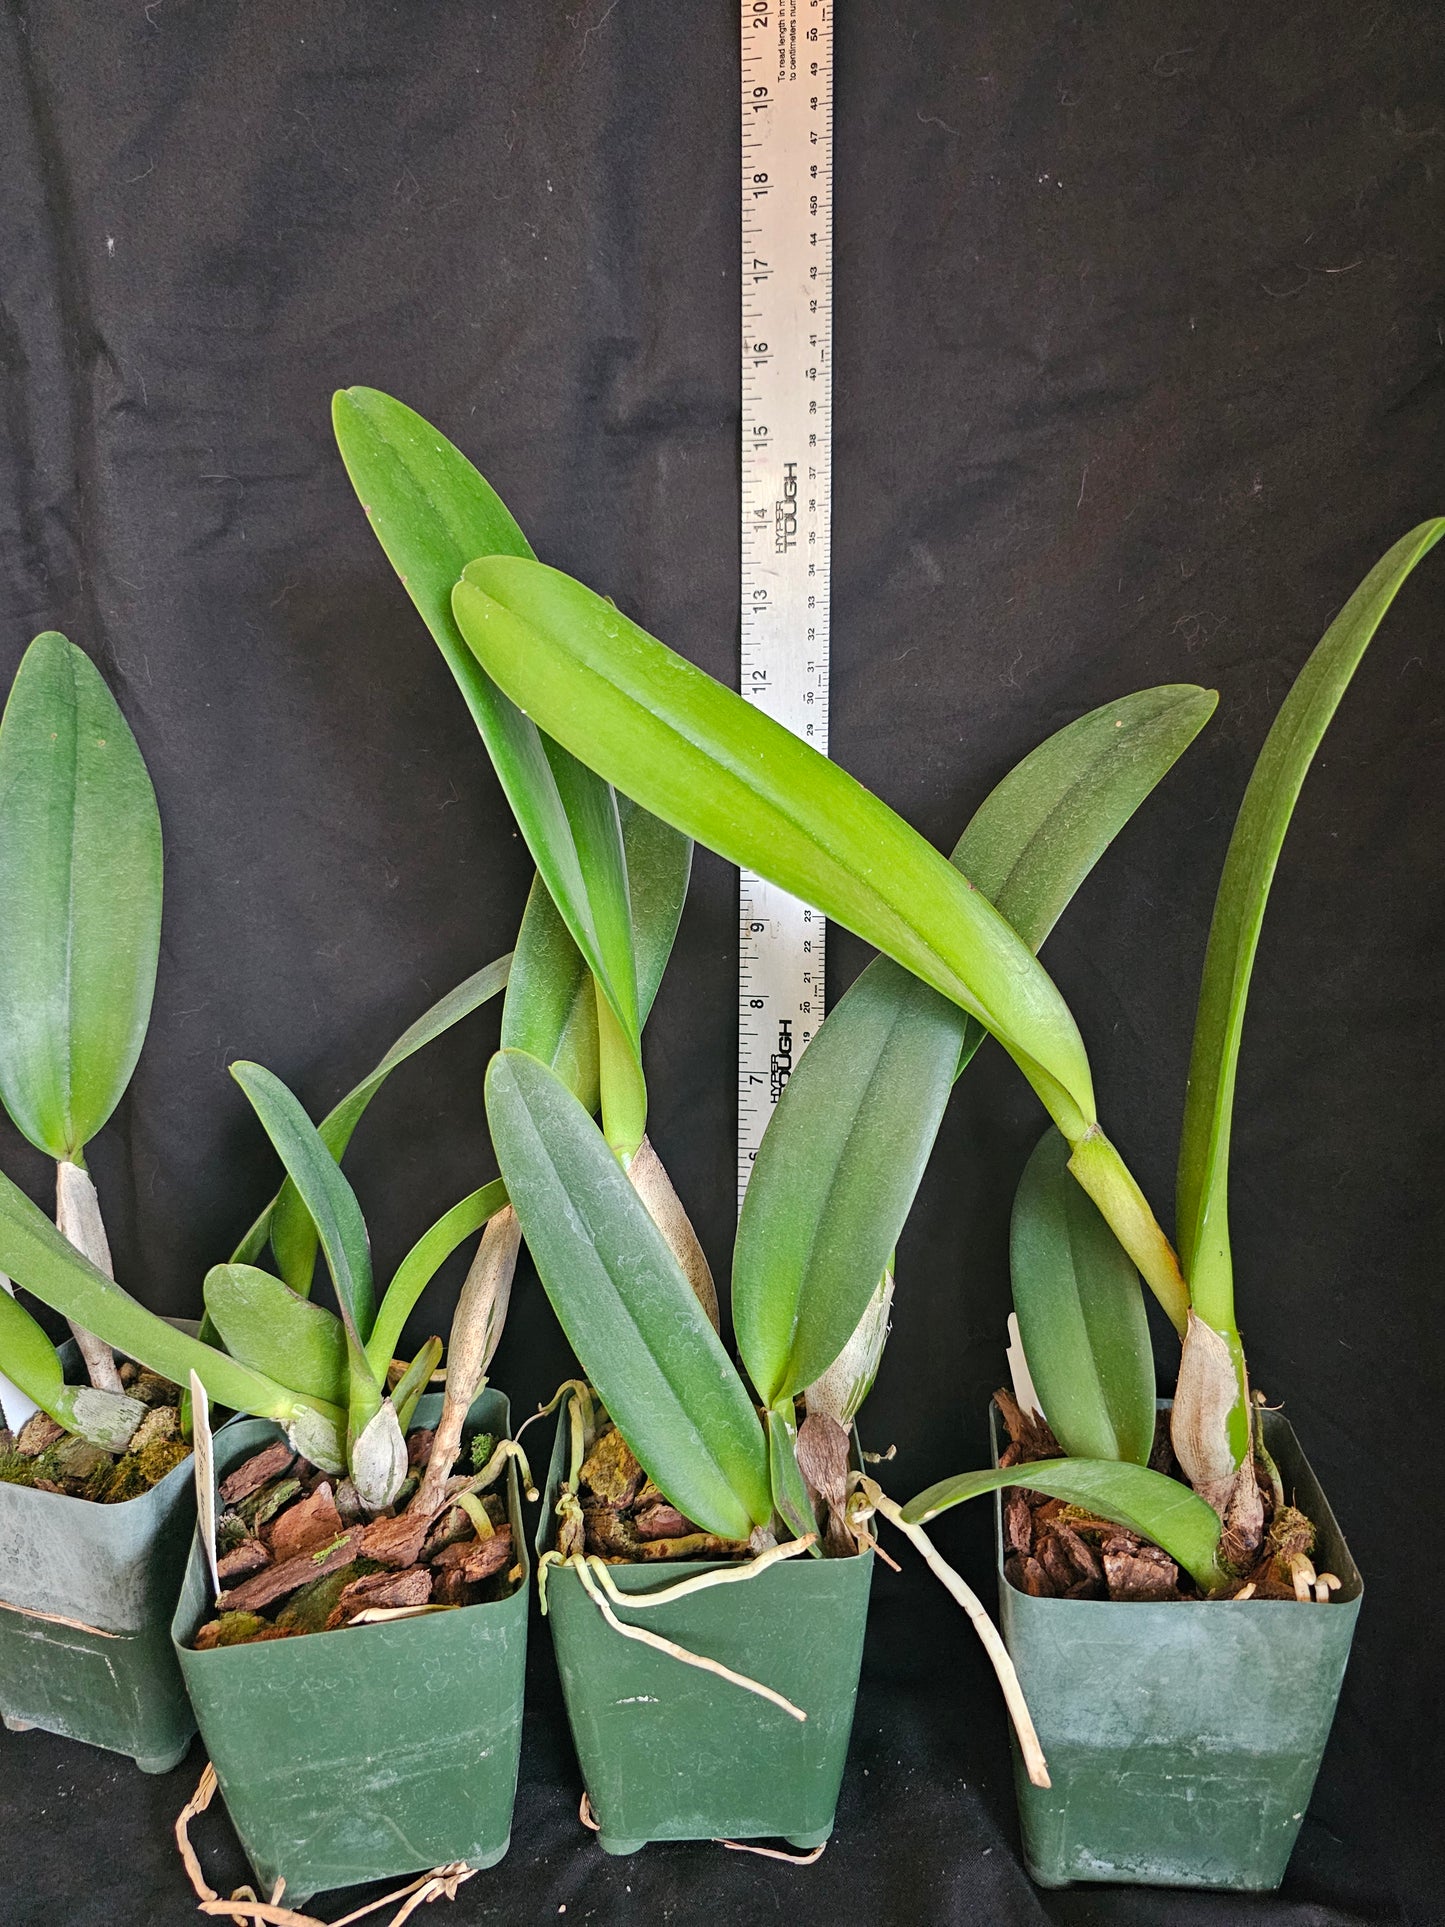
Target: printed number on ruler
[(787, 285)]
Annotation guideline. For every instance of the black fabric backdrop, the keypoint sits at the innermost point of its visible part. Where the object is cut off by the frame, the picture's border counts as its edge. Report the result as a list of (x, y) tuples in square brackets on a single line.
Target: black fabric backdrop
[(1139, 366)]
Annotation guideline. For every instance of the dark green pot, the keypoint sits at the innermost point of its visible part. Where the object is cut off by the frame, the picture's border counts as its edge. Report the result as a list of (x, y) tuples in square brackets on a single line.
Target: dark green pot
[(109, 1677), (371, 1752), (671, 1753), (1183, 1740)]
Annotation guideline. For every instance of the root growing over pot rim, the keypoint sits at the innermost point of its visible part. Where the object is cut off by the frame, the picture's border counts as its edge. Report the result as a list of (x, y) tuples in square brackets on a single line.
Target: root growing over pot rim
[(870, 1498)]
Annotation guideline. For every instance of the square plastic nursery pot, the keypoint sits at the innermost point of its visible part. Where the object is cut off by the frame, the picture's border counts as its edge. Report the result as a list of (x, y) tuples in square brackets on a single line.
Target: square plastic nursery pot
[(86, 1595), (1183, 1739), (671, 1753), (372, 1751)]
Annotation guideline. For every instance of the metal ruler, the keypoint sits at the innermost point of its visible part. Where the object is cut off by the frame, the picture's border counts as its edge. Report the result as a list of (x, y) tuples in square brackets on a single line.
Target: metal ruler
[(787, 460)]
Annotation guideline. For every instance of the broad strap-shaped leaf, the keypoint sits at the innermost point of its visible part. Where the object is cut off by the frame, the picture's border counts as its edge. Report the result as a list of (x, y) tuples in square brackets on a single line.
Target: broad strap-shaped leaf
[(843, 1154), (432, 513), (265, 1324), (1130, 1495), (1203, 1180), (637, 1328), (322, 1188), (1081, 1315), (80, 882), (551, 1007), (659, 865), (27, 1357), (698, 756), (285, 1221), (420, 1266), (37, 1257), (835, 1176), (17, 1408), (32, 1366), (1037, 834)]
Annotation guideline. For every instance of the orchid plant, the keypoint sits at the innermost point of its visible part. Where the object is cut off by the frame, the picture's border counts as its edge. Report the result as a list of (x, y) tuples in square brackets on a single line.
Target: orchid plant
[(322, 1376), (598, 928), (80, 877), (80, 859), (702, 758), (804, 1281), (1080, 1317), (835, 1177)]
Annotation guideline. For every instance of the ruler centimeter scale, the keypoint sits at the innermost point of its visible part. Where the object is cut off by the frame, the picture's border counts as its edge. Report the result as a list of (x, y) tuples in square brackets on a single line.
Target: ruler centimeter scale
[(787, 292)]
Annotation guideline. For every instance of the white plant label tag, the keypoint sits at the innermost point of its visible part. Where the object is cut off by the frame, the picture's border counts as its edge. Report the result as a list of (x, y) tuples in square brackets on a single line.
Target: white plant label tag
[(205, 1476), (1025, 1397)]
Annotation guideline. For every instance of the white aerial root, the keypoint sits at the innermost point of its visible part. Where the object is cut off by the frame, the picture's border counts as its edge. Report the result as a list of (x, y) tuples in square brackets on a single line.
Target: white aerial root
[(576, 1386), (775, 1853), (876, 1500), (243, 1907), (701, 1581), (589, 1820), (599, 1599), (1302, 1572), (505, 1449)]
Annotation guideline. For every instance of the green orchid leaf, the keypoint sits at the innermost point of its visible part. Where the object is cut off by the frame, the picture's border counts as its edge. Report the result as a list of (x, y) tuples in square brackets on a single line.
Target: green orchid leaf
[(433, 513), (32, 1365), (1130, 1495), (80, 879), (1254, 847), (1037, 835), (790, 1490), (633, 1320), (420, 1266), (551, 1006), (1081, 1315), (414, 1381), (36, 1256), (263, 1323), (843, 1154), (697, 755), (285, 1222), (836, 1174), (327, 1196), (27, 1357), (659, 865)]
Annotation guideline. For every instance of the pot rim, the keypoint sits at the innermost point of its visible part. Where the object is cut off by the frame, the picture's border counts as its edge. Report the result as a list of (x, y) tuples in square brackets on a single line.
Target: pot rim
[(399, 1629)]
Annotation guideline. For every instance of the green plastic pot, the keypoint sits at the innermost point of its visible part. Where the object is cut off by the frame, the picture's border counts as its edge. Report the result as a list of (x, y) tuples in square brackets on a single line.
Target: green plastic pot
[(1183, 1740), (671, 1753), (374, 1751), (87, 1594)]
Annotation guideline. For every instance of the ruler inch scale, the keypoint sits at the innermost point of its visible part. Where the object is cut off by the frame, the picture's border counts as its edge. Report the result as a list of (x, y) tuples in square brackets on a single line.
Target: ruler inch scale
[(787, 355)]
